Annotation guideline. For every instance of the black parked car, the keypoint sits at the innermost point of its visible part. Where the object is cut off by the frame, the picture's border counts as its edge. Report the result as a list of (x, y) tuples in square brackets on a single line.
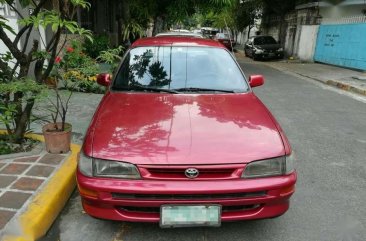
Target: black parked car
[(263, 47)]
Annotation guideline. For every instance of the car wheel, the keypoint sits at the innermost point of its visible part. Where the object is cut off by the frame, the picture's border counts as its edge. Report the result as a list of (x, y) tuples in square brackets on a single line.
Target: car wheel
[(255, 57)]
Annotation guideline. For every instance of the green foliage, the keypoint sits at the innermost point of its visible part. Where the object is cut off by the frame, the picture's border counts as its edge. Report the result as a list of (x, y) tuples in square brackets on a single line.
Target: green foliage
[(111, 56), (77, 71), (5, 147), (7, 114), (132, 30), (54, 20), (99, 43), (82, 3), (9, 105), (29, 88), (15, 86), (4, 25)]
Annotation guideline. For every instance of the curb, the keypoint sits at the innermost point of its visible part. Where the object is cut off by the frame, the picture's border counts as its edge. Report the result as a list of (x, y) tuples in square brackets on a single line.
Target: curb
[(45, 206)]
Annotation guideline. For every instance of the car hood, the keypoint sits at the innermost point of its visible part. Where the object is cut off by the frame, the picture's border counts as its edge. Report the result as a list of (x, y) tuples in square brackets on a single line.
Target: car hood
[(175, 129), (269, 46)]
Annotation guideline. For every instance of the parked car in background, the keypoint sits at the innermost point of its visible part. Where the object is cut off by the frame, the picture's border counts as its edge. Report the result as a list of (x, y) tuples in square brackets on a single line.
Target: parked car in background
[(226, 40), (180, 138), (263, 47), (209, 32)]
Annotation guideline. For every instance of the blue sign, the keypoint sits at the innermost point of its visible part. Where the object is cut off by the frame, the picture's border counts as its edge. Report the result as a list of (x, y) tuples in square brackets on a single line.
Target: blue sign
[(342, 45)]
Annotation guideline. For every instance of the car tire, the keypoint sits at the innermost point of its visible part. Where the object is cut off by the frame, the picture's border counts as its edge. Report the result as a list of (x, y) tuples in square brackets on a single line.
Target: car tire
[(255, 57)]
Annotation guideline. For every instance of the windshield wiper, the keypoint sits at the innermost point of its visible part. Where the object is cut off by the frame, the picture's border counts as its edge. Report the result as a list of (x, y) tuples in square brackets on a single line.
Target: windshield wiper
[(194, 89), (145, 88)]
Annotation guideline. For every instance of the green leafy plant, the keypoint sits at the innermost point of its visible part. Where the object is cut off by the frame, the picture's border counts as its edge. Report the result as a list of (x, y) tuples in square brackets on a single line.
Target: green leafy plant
[(99, 43), (76, 70), (17, 64), (132, 30), (111, 57)]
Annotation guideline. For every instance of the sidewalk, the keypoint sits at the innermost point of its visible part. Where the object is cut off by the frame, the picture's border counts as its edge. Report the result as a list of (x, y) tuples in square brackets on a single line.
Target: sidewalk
[(33, 190), (35, 186), (342, 78), (346, 79)]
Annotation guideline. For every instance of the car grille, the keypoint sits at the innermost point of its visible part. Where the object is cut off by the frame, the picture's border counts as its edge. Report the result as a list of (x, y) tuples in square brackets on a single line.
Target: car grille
[(187, 196), (157, 209), (205, 172)]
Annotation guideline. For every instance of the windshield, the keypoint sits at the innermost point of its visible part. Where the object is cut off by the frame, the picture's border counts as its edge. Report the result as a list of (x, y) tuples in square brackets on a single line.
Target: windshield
[(177, 68), (264, 40), (223, 35)]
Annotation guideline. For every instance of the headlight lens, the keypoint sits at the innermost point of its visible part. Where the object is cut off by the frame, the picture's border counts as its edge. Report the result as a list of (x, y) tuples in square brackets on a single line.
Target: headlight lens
[(270, 167), (116, 169), (101, 168), (85, 165), (258, 51), (280, 50)]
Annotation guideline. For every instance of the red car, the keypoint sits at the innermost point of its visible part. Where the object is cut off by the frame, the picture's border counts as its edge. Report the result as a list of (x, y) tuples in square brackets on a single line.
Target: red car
[(225, 39), (181, 139)]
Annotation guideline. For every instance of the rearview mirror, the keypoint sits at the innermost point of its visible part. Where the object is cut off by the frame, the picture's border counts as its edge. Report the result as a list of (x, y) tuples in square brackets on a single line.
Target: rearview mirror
[(104, 79), (256, 80)]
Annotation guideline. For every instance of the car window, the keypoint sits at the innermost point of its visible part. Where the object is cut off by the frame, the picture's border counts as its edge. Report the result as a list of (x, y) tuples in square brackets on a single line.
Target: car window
[(222, 35), (180, 67), (264, 40)]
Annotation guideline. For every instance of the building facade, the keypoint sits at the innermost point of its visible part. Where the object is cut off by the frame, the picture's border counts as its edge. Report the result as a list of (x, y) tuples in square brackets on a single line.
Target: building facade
[(301, 26)]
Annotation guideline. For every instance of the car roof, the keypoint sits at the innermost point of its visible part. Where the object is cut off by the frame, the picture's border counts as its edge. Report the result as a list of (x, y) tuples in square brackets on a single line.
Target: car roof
[(176, 41)]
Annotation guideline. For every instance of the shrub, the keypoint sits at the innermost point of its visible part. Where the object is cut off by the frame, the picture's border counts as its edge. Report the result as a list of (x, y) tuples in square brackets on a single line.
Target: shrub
[(78, 70), (93, 48)]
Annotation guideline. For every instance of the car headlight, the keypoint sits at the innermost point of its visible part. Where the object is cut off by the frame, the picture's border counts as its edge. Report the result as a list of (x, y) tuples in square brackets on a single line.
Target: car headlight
[(270, 167), (280, 50), (103, 168), (85, 165), (258, 51)]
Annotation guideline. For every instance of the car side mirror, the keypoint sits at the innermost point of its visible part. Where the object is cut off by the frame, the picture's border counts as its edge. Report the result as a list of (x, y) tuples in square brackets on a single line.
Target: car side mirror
[(256, 80), (104, 79)]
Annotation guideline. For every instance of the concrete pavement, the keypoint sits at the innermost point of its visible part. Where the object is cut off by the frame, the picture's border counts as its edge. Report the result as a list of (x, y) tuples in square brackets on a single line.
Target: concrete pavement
[(342, 78)]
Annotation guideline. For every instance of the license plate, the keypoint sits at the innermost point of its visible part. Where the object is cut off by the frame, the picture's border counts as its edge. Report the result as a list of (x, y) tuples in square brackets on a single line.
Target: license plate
[(225, 42), (271, 54), (190, 215)]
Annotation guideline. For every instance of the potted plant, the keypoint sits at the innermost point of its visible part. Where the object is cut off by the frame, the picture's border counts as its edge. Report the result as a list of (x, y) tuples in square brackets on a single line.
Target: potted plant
[(57, 134)]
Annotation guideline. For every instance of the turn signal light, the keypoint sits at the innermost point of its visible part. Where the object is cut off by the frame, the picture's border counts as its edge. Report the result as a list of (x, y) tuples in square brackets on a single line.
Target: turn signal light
[(87, 192)]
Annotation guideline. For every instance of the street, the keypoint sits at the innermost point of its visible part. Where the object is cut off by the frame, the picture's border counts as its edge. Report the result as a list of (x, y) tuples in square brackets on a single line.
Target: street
[(327, 130)]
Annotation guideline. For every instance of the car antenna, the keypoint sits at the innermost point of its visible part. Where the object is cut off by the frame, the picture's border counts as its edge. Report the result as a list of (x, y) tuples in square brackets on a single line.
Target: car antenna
[(231, 43)]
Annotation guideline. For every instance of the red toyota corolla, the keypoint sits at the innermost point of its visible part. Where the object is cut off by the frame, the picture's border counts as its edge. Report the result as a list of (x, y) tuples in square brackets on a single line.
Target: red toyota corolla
[(181, 139)]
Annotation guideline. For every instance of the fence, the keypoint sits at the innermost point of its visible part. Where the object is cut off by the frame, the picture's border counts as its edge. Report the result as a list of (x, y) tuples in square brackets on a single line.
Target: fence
[(345, 20)]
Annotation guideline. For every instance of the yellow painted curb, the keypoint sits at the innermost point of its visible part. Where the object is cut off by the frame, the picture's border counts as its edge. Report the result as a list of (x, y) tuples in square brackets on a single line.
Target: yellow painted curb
[(50, 200)]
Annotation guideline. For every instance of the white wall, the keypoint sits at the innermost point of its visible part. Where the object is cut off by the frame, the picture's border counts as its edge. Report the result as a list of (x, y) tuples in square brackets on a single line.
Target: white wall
[(273, 31), (242, 37), (339, 11), (307, 42), (6, 12)]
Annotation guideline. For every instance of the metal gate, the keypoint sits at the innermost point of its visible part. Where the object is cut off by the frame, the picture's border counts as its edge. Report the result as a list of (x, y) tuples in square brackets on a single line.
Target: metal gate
[(342, 45)]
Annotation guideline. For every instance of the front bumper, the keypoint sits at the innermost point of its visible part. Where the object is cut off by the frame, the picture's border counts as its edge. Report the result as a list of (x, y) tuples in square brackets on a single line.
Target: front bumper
[(139, 200), (267, 55)]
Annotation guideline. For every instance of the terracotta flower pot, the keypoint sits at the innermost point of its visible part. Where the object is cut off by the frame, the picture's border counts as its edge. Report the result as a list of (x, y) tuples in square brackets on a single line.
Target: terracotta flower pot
[(57, 141)]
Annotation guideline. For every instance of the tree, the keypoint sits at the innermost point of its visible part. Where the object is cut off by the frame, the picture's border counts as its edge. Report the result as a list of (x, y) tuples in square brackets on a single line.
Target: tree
[(59, 20)]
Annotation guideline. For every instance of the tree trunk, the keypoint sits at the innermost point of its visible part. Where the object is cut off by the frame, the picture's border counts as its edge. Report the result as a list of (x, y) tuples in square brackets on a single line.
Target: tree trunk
[(23, 121), (158, 25), (282, 32), (249, 28)]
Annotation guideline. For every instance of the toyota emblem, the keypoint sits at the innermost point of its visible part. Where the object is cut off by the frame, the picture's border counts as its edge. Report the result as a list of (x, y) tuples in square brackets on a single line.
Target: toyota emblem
[(191, 173)]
